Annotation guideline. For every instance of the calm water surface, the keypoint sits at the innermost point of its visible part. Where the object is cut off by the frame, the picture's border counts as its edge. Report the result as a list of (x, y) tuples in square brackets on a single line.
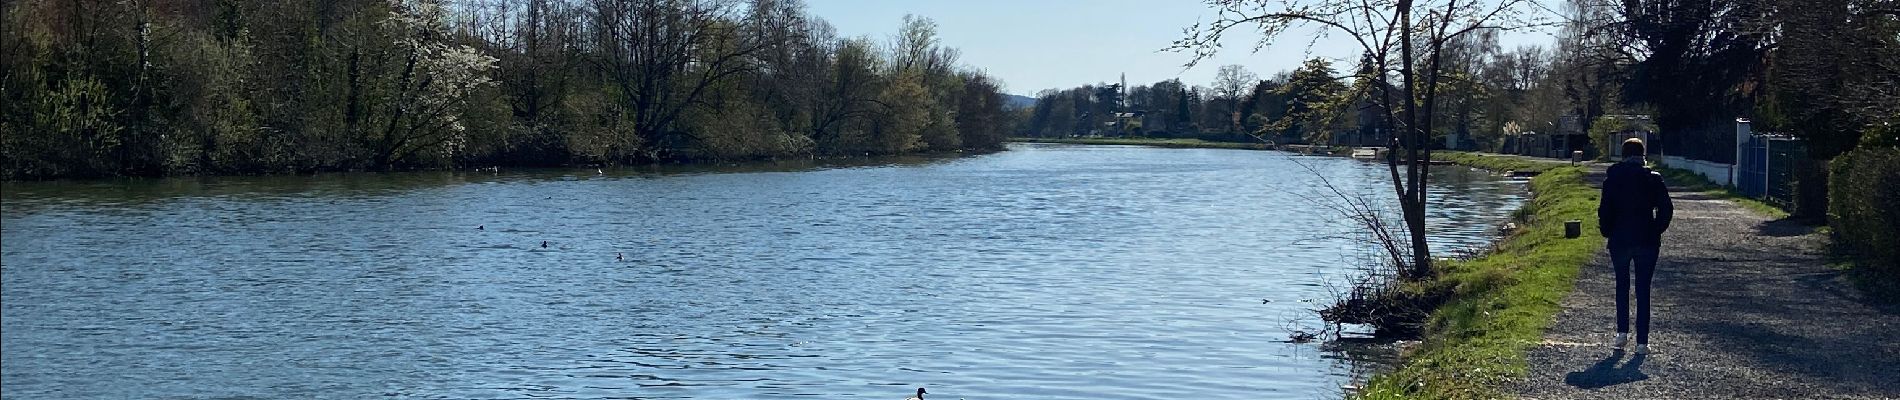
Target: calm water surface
[(1045, 272)]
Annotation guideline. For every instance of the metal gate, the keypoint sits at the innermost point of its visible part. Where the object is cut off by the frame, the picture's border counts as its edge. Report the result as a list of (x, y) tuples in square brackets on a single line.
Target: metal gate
[(1751, 167), (1785, 162), (1767, 168)]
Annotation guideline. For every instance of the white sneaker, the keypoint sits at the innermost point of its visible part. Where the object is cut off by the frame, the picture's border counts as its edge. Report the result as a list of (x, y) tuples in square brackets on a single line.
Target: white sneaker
[(1622, 338), (1642, 349)]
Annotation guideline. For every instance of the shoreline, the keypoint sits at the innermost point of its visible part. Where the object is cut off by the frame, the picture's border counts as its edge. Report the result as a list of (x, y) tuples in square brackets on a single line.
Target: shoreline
[(809, 161), (1168, 143), (1501, 302), (1190, 143)]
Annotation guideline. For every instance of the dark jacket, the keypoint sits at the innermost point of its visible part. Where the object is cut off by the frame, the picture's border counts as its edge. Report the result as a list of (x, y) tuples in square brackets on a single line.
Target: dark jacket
[(1635, 209)]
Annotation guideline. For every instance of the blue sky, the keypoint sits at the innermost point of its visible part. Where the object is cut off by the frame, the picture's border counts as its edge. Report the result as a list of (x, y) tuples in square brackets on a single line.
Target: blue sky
[(1033, 45)]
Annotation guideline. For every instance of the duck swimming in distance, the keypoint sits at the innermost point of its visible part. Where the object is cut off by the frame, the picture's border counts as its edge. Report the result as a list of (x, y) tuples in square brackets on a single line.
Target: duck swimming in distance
[(919, 396)]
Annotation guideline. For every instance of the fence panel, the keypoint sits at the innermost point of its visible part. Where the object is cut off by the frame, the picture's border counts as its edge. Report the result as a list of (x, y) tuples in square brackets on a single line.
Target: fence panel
[(1751, 171), (1785, 159)]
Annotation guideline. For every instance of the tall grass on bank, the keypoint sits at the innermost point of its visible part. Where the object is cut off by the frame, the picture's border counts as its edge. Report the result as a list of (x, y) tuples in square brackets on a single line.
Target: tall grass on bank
[(1499, 304)]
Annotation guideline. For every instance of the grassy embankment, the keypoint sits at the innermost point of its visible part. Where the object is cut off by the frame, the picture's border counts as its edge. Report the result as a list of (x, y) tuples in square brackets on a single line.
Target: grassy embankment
[(1497, 163), (1677, 177), (1174, 143), (1692, 181), (1683, 178), (1501, 303)]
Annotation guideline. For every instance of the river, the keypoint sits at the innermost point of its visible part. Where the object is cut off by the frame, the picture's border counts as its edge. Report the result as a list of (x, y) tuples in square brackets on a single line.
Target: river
[(1043, 272)]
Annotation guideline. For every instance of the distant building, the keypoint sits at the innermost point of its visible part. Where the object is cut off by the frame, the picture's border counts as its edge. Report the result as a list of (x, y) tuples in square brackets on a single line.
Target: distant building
[(1121, 121), (1372, 128), (1530, 143), (1636, 126), (1126, 123)]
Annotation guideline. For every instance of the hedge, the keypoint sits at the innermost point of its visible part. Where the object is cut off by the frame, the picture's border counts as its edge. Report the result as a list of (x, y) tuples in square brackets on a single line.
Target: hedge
[(1864, 209)]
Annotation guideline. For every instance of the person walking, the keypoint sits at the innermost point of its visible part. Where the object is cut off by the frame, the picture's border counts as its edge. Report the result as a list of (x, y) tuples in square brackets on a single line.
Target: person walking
[(1633, 213)]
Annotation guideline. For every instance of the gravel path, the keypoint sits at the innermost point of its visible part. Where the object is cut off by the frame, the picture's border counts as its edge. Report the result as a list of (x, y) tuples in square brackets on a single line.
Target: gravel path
[(1743, 307)]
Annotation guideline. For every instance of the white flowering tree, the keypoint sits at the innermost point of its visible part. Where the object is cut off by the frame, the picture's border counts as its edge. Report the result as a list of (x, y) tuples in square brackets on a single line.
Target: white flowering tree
[(427, 81)]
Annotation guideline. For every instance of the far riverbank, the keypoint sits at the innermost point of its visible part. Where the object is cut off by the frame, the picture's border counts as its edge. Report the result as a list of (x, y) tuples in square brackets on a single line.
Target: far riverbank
[(1169, 143), (789, 163)]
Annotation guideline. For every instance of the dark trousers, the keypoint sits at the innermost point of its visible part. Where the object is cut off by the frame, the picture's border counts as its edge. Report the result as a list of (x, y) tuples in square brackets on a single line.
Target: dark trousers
[(1643, 259)]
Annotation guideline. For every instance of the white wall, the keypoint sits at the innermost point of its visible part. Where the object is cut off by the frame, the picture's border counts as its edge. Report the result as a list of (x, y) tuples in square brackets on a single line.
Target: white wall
[(1721, 174)]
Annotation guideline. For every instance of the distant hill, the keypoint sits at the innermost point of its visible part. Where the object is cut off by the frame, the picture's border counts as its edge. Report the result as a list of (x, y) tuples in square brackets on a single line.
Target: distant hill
[(1016, 101)]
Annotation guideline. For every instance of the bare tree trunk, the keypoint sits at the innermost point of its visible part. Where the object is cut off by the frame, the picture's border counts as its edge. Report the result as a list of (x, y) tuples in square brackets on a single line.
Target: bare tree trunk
[(1411, 198)]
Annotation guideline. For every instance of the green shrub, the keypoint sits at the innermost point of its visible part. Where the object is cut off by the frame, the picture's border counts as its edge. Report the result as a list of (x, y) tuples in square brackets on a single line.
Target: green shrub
[(1864, 209)]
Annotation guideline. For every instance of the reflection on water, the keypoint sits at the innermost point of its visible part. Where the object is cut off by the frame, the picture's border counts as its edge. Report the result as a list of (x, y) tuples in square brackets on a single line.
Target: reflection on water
[(1048, 271)]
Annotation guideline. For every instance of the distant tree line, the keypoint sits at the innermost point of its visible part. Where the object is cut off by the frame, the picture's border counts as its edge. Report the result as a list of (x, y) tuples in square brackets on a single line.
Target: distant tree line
[(1824, 70), (1290, 107), (157, 87), (1487, 93)]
